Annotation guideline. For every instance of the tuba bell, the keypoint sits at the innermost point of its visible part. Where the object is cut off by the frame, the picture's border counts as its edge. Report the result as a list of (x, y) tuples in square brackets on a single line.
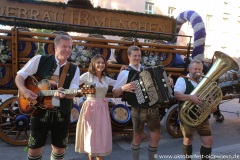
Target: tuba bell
[(208, 90)]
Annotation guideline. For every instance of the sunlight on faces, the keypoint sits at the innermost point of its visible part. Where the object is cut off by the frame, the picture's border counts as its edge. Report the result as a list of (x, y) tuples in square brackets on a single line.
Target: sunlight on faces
[(99, 65), (135, 57), (63, 50), (194, 69)]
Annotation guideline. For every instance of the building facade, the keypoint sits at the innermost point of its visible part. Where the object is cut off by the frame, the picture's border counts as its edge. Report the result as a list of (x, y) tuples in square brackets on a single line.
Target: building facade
[(221, 19)]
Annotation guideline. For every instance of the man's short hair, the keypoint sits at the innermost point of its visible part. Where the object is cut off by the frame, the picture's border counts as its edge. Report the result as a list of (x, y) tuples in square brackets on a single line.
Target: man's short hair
[(195, 61), (132, 48), (61, 36)]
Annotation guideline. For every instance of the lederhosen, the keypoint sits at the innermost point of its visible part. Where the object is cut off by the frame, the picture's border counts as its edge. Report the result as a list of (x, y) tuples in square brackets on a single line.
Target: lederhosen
[(56, 120)]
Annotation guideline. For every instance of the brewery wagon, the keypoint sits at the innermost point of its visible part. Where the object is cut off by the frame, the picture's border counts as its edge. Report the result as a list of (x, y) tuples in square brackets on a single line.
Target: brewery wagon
[(22, 44), (23, 41)]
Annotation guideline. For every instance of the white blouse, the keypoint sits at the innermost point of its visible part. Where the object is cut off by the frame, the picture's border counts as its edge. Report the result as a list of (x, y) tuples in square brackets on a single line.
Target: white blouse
[(180, 85), (101, 87), (123, 76)]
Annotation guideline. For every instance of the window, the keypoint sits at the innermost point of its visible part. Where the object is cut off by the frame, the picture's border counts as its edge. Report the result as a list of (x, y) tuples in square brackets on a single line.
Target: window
[(223, 47), (238, 25), (207, 49), (171, 11), (225, 22), (149, 8), (208, 21)]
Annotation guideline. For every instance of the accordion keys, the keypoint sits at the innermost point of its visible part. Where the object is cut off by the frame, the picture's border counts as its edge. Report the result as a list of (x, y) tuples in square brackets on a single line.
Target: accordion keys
[(138, 92)]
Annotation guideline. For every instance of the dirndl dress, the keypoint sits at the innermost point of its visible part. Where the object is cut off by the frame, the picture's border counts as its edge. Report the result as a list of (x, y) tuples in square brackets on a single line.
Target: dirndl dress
[(93, 131)]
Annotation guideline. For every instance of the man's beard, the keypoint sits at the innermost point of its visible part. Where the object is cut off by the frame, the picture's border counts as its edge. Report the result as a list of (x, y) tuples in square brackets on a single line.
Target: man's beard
[(196, 76)]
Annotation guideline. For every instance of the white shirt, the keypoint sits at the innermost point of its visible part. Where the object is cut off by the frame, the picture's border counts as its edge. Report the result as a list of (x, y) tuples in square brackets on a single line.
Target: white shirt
[(123, 77), (30, 68), (101, 87), (180, 85)]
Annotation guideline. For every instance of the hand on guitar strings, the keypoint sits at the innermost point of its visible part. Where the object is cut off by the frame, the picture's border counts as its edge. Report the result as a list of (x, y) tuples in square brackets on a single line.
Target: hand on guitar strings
[(60, 93), (29, 95), (129, 87)]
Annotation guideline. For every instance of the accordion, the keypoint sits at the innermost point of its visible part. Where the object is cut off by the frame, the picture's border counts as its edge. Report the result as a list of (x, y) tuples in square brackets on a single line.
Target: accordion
[(152, 87)]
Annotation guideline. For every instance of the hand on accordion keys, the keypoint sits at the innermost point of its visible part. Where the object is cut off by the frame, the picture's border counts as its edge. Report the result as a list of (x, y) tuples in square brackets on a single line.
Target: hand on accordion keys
[(129, 87)]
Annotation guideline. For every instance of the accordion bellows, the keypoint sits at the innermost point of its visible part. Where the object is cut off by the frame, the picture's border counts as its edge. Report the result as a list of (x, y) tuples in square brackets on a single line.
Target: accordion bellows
[(152, 87)]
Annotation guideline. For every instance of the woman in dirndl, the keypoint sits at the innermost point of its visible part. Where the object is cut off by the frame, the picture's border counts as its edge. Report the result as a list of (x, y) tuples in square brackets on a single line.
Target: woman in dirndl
[(93, 131)]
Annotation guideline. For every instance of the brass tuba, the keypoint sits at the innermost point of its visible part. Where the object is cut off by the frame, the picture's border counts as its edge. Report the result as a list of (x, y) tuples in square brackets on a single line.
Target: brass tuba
[(208, 90)]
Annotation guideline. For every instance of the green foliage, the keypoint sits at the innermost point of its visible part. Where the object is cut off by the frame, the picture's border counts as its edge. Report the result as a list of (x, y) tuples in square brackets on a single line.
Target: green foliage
[(41, 45), (5, 53)]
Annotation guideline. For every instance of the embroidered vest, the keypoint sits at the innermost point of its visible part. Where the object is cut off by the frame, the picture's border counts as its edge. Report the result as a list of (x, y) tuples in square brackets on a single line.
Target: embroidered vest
[(46, 68), (131, 97), (189, 86)]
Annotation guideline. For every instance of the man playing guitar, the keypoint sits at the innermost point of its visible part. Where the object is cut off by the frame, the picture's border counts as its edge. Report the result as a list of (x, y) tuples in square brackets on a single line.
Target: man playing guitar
[(56, 120)]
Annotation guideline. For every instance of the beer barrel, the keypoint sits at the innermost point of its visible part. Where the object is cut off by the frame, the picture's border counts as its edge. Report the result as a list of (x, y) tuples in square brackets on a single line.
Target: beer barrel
[(6, 79), (105, 52), (178, 61), (82, 99), (121, 54), (113, 75), (120, 117), (22, 121), (75, 112), (25, 49), (49, 47), (165, 58)]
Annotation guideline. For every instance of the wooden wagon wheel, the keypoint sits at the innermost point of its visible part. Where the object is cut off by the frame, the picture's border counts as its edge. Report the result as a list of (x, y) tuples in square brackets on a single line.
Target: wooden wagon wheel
[(14, 127), (172, 123)]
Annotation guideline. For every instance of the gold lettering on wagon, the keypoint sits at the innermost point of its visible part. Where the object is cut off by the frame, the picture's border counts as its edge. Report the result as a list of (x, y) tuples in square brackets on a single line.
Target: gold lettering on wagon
[(86, 17)]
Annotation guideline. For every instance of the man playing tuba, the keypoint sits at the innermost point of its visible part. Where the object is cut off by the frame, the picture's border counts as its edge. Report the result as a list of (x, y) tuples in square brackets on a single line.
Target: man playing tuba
[(182, 89)]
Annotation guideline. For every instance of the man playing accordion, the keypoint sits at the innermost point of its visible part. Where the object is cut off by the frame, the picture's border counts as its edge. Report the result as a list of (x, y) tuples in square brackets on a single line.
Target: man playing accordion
[(139, 115)]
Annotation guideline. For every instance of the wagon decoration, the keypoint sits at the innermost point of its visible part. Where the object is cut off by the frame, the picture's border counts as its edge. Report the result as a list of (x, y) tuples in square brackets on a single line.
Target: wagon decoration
[(5, 53), (81, 57), (150, 60)]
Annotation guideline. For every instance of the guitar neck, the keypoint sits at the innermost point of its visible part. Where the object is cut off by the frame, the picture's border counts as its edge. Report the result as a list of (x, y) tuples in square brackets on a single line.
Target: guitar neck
[(51, 92)]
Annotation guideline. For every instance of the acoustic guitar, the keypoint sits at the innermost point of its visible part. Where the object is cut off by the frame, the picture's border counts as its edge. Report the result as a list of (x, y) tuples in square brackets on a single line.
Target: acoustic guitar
[(44, 90)]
